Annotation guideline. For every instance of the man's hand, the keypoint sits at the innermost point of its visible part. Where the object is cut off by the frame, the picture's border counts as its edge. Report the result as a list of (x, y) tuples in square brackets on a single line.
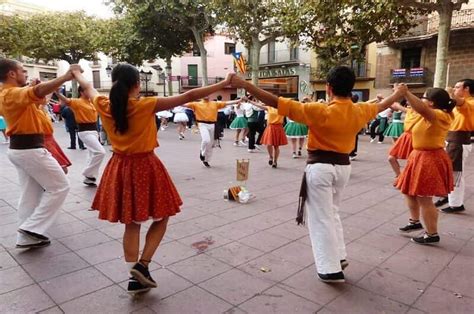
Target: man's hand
[(74, 70), (238, 82), (400, 89), (228, 78)]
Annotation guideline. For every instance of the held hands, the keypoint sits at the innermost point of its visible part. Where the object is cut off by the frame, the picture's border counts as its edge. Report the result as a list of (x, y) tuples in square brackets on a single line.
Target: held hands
[(228, 78), (400, 89), (74, 70), (238, 82)]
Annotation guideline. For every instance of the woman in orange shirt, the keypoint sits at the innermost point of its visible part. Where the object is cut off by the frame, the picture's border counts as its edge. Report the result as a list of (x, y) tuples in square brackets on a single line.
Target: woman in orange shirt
[(135, 185), (428, 171), (274, 135)]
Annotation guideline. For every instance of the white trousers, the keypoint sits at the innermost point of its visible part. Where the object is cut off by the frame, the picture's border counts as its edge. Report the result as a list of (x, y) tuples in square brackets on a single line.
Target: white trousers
[(325, 184), (95, 155), (207, 136), (456, 197), (44, 188)]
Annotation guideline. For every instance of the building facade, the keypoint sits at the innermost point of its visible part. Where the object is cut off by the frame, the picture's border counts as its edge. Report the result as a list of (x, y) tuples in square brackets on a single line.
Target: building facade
[(412, 58), (283, 70)]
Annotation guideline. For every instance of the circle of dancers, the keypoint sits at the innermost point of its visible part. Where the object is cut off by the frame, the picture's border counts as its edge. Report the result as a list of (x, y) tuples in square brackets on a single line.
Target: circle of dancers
[(434, 139)]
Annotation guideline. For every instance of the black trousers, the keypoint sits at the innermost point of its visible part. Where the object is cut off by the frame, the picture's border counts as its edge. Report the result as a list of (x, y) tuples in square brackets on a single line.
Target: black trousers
[(72, 136), (354, 151), (220, 125), (373, 126), (255, 127)]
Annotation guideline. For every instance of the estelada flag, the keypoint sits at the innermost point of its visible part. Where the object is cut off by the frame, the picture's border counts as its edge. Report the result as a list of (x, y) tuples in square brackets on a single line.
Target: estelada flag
[(239, 61)]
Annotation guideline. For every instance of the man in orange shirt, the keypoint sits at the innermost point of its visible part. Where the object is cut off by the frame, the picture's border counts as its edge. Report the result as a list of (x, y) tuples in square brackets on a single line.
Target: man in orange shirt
[(86, 118), (332, 129), (206, 117), (459, 143), (43, 182)]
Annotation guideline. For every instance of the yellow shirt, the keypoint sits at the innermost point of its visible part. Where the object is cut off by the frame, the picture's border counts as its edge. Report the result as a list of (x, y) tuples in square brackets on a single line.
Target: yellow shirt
[(274, 117), (464, 116), (84, 110), (206, 110), (19, 107), (333, 126), (410, 119), (141, 135), (431, 135)]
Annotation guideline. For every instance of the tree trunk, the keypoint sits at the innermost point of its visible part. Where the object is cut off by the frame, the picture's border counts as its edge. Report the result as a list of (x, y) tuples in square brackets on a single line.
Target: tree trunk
[(445, 15), (168, 75), (200, 42), (255, 59), (74, 91)]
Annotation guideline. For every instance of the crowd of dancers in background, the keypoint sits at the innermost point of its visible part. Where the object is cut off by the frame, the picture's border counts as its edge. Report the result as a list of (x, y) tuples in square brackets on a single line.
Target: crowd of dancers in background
[(433, 168)]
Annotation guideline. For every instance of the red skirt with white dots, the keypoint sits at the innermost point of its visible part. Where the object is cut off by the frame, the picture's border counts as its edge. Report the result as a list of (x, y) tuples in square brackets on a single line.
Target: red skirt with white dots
[(135, 188)]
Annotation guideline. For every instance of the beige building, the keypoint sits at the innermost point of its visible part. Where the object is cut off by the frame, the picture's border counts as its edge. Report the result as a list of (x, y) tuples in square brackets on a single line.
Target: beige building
[(365, 76), (412, 58)]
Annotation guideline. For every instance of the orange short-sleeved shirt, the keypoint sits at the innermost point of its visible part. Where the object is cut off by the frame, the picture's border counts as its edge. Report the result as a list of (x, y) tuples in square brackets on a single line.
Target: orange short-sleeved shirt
[(410, 119), (333, 126), (19, 107), (432, 135), (464, 116), (274, 117), (141, 135), (46, 122), (84, 110), (206, 110)]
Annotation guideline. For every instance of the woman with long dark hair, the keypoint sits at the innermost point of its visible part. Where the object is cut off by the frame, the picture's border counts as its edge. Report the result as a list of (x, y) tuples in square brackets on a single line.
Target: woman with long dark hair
[(428, 171), (135, 185)]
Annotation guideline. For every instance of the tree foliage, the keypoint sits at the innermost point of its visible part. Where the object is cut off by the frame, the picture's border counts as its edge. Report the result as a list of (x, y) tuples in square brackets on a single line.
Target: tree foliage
[(340, 30), (54, 35), (254, 22), (176, 19)]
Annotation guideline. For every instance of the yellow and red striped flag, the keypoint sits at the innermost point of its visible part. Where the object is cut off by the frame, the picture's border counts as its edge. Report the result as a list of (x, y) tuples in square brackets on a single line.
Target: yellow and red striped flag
[(239, 61)]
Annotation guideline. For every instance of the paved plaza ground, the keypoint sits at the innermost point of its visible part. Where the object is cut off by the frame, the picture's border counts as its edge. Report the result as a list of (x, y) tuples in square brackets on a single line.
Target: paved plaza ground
[(224, 257)]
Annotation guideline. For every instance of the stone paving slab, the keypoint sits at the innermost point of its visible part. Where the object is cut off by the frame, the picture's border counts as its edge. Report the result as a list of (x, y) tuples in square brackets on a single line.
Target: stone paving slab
[(225, 257)]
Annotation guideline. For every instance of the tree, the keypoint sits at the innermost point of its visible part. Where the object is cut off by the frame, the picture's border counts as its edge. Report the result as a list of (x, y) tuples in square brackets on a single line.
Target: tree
[(339, 31), (12, 28), (253, 22), (192, 15), (445, 9)]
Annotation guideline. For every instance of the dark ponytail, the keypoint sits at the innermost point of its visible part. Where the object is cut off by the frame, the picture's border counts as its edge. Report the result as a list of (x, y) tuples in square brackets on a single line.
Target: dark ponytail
[(124, 78), (440, 99)]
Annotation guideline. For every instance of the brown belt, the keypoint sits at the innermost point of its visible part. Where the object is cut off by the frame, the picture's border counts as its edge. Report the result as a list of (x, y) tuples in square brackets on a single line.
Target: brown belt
[(87, 126), (26, 141), (208, 122), (317, 157)]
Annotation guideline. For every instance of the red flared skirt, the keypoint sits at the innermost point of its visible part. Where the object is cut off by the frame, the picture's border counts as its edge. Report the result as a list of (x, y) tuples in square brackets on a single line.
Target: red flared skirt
[(402, 147), (427, 173), (135, 188), (274, 135), (52, 146)]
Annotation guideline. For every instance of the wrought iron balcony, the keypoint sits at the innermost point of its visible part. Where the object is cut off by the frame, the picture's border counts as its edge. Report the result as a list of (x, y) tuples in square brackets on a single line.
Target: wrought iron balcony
[(193, 82)]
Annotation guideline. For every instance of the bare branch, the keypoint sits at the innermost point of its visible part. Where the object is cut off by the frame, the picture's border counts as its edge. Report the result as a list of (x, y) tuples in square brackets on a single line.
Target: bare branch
[(430, 6)]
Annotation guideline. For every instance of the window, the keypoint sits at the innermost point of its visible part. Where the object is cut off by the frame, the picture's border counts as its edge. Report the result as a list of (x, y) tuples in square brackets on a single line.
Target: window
[(46, 76), (411, 58), (294, 53), (229, 48), (96, 79), (271, 52)]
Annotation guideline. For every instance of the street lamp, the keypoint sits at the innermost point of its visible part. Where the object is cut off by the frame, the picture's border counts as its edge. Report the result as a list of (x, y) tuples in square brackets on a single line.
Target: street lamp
[(145, 77), (108, 70)]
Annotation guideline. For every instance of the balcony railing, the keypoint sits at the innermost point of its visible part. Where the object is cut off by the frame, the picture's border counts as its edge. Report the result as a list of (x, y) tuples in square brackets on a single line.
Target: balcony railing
[(192, 82), (361, 70), (415, 76), (428, 25), (280, 56)]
